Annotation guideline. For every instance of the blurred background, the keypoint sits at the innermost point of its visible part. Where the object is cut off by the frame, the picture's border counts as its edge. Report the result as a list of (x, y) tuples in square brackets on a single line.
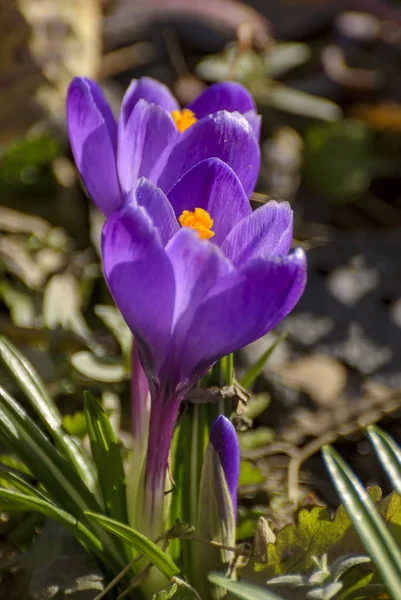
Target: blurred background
[(325, 75)]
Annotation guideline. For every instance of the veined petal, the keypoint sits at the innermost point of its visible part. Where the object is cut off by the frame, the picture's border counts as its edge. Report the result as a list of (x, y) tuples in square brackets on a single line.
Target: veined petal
[(223, 135), (141, 281), (153, 200), (197, 265), (228, 95), (266, 232), (224, 440), (149, 130), (213, 186), (241, 308), (93, 136), (150, 90)]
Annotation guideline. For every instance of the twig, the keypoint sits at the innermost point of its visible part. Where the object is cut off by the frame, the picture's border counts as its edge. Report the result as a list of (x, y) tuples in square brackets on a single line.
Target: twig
[(303, 454)]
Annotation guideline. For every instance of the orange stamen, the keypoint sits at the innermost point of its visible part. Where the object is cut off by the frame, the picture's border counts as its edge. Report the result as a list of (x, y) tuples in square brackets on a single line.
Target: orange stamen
[(183, 119), (200, 220)]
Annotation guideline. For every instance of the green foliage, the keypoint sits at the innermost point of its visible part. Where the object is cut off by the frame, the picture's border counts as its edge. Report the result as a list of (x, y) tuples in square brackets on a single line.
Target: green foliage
[(99, 368), (255, 438), (324, 583), (107, 457), (138, 541), (389, 454), (29, 382), (370, 527), (255, 370), (314, 534), (75, 424), (338, 159), (66, 493), (188, 449), (249, 474), (247, 519), (242, 589), (166, 594), (25, 163), (257, 70)]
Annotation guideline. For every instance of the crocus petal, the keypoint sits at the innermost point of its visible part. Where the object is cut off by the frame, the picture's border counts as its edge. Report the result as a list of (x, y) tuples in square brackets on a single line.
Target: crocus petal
[(213, 186), (197, 265), (224, 440), (229, 95), (255, 121), (141, 280), (150, 90), (223, 135), (93, 136), (149, 130), (266, 232), (158, 208), (241, 308)]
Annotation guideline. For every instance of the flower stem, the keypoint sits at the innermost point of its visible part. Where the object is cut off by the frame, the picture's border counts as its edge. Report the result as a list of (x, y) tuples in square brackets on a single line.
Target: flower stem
[(162, 420)]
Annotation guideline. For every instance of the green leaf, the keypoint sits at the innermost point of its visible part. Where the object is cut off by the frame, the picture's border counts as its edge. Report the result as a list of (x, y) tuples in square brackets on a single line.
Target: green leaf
[(99, 368), (62, 304), (53, 471), (326, 592), (314, 534), (242, 589), (249, 474), (376, 538), (11, 500), (338, 159), (188, 448), (21, 482), (256, 405), (30, 383), (227, 367), (255, 438), (297, 102), (255, 370), (106, 454), (282, 57), (75, 424), (389, 454), (141, 543), (344, 564), (114, 321), (247, 520)]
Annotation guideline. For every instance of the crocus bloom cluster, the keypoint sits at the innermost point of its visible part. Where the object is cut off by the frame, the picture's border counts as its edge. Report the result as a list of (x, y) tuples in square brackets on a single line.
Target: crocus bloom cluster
[(154, 139), (195, 273)]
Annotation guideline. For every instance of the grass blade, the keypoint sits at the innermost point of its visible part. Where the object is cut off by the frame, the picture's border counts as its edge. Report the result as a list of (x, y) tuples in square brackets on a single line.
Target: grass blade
[(370, 527), (140, 542), (31, 384), (107, 458), (255, 370), (389, 454), (11, 500), (53, 470), (242, 589), (20, 481)]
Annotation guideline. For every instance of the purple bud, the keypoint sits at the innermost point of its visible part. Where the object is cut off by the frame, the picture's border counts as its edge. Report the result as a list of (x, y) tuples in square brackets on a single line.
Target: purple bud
[(224, 440)]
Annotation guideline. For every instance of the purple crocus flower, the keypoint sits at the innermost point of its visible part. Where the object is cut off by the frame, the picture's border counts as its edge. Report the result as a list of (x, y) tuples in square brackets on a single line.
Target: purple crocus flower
[(154, 139), (195, 293), (225, 443)]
